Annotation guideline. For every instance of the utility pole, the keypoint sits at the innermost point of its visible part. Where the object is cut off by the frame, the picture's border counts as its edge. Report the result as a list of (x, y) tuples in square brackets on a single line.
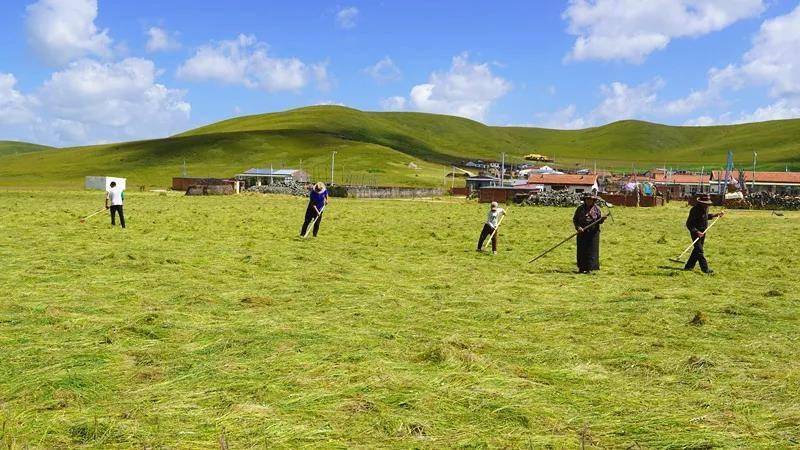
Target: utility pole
[(185, 173), (333, 159), (503, 169), (753, 184)]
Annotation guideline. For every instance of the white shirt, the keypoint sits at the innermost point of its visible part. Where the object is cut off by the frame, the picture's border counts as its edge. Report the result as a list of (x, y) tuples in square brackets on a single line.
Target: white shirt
[(494, 217), (114, 195)]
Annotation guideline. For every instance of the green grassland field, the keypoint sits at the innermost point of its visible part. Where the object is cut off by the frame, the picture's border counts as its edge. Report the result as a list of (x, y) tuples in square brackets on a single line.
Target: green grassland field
[(208, 323)]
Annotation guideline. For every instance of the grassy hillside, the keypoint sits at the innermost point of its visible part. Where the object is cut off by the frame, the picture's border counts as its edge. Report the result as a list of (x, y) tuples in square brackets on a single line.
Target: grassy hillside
[(382, 144), (446, 138), (154, 163), (14, 147), (207, 316)]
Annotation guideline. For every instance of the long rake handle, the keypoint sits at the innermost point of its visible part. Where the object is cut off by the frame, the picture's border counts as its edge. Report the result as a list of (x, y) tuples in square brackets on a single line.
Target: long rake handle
[(491, 236), (313, 221), (698, 238), (567, 238), (93, 214)]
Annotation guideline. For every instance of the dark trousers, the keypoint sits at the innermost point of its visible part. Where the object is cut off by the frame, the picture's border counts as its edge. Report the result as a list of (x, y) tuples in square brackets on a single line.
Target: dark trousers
[(311, 213), (588, 253), (697, 256), (117, 209), (485, 232)]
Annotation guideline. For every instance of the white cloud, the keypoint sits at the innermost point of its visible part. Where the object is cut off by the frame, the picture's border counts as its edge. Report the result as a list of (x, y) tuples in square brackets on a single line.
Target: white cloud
[(245, 61), (620, 102), (384, 71), (346, 17), (563, 119), (718, 81), (89, 102), (466, 90), (161, 40), (626, 102), (630, 30), (774, 59), (329, 103), (785, 108), (702, 121), (122, 96), (61, 31), (325, 81), (781, 109), (15, 108), (396, 103)]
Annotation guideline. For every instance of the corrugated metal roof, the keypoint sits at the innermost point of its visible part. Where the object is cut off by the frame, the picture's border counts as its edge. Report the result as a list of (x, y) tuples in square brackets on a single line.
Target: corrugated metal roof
[(279, 172)]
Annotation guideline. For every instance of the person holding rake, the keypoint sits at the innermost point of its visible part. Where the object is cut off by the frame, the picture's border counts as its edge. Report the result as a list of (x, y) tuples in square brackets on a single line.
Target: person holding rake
[(493, 220), (115, 197), (587, 220), (317, 199), (697, 223)]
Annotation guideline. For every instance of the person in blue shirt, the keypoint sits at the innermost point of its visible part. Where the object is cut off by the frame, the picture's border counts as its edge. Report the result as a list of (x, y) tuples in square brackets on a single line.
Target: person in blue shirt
[(317, 199)]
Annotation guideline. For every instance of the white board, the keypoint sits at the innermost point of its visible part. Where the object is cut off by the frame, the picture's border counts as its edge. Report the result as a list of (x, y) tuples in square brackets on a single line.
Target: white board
[(103, 183)]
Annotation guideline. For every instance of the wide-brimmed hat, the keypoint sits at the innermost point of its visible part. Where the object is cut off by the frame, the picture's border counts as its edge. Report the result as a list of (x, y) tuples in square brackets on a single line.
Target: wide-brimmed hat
[(494, 205), (320, 186), (704, 199), (589, 195)]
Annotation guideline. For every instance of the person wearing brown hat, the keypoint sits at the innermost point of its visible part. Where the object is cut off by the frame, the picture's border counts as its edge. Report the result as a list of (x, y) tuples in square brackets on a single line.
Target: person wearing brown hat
[(496, 214), (697, 223), (587, 220)]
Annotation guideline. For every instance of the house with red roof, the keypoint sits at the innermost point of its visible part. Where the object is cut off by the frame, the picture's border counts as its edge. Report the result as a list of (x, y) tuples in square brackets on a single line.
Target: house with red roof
[(775, 182), (576, 184), (682, 184)]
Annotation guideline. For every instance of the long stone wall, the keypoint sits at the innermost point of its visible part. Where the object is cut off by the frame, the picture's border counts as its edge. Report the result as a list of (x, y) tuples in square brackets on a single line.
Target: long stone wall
[(386, 192)]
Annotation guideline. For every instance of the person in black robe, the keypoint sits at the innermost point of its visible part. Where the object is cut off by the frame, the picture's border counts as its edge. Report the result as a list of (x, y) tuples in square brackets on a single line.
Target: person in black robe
[(697, 223), (587, 220)]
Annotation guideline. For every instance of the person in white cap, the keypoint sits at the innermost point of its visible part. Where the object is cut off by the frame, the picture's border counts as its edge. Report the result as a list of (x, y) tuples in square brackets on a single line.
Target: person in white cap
[(490, 227)]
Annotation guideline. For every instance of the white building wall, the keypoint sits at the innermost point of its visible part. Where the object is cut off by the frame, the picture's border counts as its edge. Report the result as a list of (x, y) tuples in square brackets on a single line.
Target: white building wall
[(103, 183)]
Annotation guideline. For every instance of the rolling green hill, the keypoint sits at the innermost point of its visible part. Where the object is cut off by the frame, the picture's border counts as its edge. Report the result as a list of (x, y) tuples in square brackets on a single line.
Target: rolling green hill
[(380, 145), (14, 148)]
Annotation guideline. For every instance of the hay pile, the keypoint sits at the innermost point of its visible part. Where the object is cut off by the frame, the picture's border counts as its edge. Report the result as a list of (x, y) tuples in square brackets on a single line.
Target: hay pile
[(290, 188), (552, 198)]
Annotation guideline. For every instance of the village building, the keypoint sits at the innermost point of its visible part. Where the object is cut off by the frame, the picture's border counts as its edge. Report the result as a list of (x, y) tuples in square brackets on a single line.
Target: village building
[(257, 177), (678, 185), (576, 184), (544, 169), (476, 183), (775, 182)]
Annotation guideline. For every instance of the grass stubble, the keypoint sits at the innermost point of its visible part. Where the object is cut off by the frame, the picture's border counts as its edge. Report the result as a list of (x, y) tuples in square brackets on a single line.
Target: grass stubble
[(209, 323)]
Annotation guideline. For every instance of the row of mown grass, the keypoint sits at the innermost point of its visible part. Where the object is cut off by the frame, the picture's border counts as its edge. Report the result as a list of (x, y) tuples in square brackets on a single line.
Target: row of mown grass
[(208, 317)]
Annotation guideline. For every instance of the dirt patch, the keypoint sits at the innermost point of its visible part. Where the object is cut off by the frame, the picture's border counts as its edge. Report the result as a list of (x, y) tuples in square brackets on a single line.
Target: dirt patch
[(698, 363), (257, 301), (699, 319)]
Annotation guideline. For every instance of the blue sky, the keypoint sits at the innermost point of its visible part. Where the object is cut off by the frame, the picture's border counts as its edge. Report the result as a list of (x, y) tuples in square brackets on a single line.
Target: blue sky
[(86, 71)]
